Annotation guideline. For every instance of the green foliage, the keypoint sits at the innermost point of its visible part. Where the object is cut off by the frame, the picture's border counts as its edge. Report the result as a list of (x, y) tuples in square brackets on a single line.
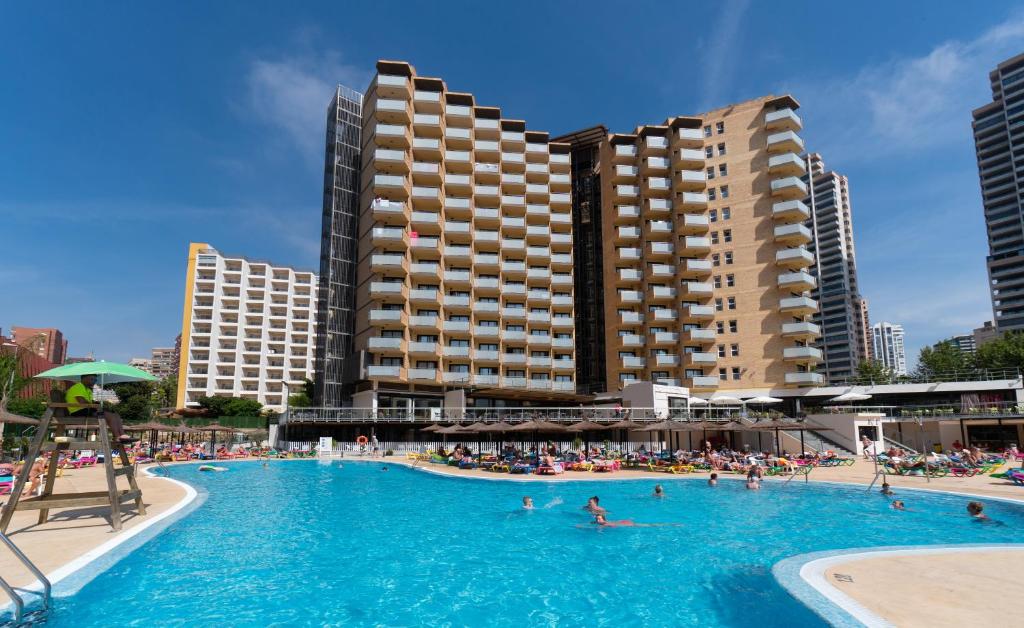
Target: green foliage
[(873, 372), (11, 379), (230, 406), (165, 392), (33, 408), (300, 400), (135, 400), (308, 388), (944, 357), (1004, 352)]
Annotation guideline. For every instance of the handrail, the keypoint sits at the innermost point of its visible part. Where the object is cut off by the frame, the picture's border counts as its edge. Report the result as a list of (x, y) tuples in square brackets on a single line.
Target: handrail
[(18, 601), (969, 375)]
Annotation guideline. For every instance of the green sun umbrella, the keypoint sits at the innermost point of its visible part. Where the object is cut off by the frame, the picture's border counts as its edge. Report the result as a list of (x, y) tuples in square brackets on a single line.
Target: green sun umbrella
[(105, 372)]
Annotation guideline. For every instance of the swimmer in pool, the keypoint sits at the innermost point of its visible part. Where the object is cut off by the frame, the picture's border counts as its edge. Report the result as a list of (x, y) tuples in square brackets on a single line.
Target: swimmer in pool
[(898, 504), (713, 480), (594, 507), (528, 503), (975, 510), (886, 489), (600, 520), (658, 491)]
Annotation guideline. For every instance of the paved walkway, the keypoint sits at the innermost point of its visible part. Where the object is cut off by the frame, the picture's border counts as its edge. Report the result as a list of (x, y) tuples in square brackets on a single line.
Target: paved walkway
[(931, 598)]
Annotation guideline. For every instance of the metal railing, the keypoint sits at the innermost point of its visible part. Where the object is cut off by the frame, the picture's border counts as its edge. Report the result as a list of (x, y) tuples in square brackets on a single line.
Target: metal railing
[(520, 414), (16, 599), (970, 375), (937, 411)]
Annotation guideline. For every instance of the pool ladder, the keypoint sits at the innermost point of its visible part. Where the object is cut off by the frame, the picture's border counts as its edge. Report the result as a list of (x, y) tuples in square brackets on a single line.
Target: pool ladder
[(16, 599)]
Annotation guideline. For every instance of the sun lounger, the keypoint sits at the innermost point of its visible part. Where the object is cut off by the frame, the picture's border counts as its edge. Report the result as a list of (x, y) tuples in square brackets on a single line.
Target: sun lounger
[(550, 469), (522, 468)]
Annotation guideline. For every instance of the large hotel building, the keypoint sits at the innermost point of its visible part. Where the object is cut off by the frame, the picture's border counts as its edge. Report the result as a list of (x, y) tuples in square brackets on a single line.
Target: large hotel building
[(248, 329), (997, 130), (497, 265)]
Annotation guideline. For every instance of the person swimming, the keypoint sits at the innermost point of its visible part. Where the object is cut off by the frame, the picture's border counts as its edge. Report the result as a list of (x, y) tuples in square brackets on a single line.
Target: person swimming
[(713, 480), (384, 468), (898, 504), (210, 467), (601, 520), (752, 481), (594, 506), (528, 503), (975, 510), (886, 489), (658, 491)]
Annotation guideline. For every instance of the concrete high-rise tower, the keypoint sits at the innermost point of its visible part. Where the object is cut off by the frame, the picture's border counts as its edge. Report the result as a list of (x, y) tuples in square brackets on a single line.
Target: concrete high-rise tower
[(887, 341)]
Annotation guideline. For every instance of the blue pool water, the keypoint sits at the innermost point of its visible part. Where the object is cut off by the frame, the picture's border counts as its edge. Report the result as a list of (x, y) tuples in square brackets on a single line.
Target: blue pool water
[(308, 543)]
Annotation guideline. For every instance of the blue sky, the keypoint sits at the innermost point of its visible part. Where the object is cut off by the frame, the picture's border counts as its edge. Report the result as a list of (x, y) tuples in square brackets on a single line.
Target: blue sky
[(128, 129)]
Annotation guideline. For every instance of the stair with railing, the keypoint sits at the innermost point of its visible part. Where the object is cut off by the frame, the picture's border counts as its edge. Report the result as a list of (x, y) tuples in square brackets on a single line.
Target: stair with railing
[(16, 595), (889, 443), (827, 444)]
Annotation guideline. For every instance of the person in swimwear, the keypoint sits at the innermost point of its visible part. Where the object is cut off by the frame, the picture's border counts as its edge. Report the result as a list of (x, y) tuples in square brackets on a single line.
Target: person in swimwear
[(528, 503), (658, 491)]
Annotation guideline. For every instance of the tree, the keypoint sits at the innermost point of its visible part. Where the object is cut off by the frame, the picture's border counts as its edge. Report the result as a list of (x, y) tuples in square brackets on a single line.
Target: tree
[(1005, 352), (230, 406), (944, 357), (165, 392), (32, 408), (873, 372), (134, 400)]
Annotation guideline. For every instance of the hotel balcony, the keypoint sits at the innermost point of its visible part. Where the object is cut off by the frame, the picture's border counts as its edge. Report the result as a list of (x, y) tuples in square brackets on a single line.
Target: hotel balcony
[(798, 281), (457, 232), (662, 293), (427, 101), (486, 216), (561, 301), (793, 234), (658, 208), (695, 268), (782, 119), (694, 245), (418, 374), (664, 315), (538, 275), (655, 165), (626, 193), (387, 318), (785, 142), (666, 359), (513, 141), (486, 379), (463, 253), (457, 302), (540, 340), (487, 128), (699, 312), (388, 264), (694, 224), (794, 258), (689, 137), (426, 198), (487, 150), (691, 201), (632, 362), (624, 153), (631, 340), (561, 182), (629, 253), (490, 357), (538, 213), (559, 162), (663, 338), (700, 336), (631, 318), (630, 275), (388, 237), (563, 364), (450, 327), (653, 145), (789, 188), (486, 285), (389, 160), (627, 234), (462, 115), (660, 249), (423, 348), (563, 343), (537, 192), (625, 173), (801, 331), (537, 253), (538, 234), (699, 359), (486, 307), (391, 86), (426, 271), (538, 295), (798, 306), (427, 125), (696, 289), (625, 214), (630, 296), (794, 210), (457, 185), (537, 152), (487, 194), (487, 331), (377, 372), (691, 180), (658, 187), (701, 382), (787, 164), (392, 111), (392, 136), (457, 138), (488, 261), (563, 322), (514, 313), (662, 271), (458, 161), (561, 279), (804, 355), (688, 158), (424, 296), (561, 260), (390, 185), (660, 229), (805, 379), (389, 291), (456, 377)]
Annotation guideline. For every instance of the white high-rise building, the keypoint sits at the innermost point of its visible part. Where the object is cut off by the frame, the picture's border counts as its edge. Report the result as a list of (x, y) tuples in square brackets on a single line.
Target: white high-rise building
[(248, 329), (887, 342)]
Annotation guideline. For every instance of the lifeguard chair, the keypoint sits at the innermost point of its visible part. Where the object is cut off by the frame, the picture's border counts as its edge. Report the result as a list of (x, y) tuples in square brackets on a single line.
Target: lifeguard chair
[(56, 418)]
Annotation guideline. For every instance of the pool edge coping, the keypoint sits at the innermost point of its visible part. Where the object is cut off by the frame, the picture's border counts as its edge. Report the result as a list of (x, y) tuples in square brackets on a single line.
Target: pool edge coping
[(803, 577)]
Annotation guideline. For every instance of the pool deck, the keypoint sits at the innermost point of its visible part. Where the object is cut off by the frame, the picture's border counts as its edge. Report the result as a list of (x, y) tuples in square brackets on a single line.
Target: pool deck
[(978, 591)]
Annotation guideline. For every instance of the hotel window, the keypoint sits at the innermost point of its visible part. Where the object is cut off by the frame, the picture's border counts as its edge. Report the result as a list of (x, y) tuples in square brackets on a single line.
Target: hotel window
[(714, 259), (714, 237), (734, 350), (709, 151), (728, 257), (719, 127), (711, 194), (718, 305), (720, 326), (725, 191), (732, 327), (726, 213), (727, 235), (718, 281), (735, 372), (721, 149), (731, 303), (391, 361), (730, 280), (721, 351), (707, 131), (458, 368), (713, 215), (723, 374), (711, 172), (723, 170)]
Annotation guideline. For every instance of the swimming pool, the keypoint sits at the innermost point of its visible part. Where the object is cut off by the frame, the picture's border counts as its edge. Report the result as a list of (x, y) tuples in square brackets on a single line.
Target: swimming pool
[(310, 543)]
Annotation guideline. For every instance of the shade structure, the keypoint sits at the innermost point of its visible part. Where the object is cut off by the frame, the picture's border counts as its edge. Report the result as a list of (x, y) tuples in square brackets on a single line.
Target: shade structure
[(433, 427), (105, 372), (538, 425), (453, 429), (851, 396), (496, 428), (476, 428), (587, 426), (16, 419), (764, 399), (710, 425), (666, 426), (725, 400), (214, 427), (625, 424), (697, 401), (150, 426)]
